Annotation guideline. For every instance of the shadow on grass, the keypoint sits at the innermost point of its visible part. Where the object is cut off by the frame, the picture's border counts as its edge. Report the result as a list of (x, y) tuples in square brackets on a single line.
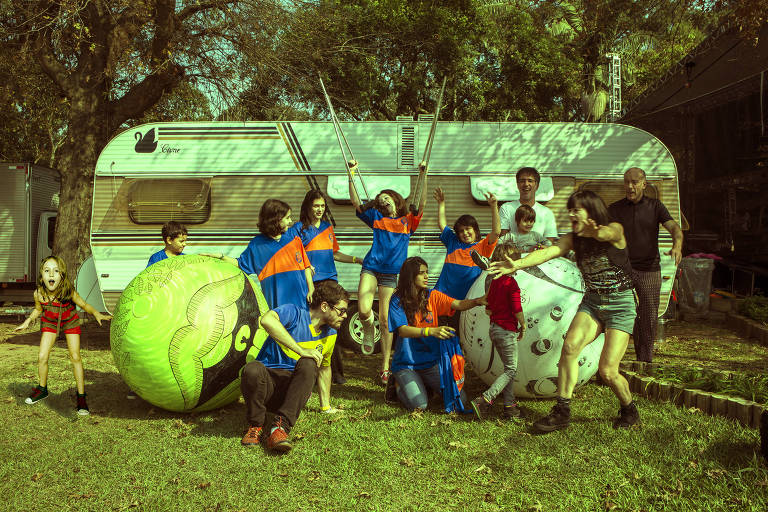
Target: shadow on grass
[(93, 337), (732, 454)]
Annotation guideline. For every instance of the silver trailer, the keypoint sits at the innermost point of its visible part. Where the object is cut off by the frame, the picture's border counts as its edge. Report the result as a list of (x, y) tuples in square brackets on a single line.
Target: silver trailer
[(28, 207)]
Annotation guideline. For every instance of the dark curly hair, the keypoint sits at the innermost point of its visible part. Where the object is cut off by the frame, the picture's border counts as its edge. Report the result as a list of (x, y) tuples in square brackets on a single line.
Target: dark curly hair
[(328, 291)]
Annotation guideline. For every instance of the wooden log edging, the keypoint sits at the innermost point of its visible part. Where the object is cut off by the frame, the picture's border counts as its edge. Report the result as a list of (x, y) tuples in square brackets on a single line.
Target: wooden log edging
[(747, 328), (744, 411)]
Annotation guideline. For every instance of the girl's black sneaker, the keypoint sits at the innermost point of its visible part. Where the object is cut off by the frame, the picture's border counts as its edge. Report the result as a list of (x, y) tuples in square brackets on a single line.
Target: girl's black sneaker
[(82, 407), (38, 394)]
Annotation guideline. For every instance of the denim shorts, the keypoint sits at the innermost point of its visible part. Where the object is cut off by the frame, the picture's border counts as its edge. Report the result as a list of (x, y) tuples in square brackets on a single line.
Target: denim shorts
[(615, 310), (388, 280)]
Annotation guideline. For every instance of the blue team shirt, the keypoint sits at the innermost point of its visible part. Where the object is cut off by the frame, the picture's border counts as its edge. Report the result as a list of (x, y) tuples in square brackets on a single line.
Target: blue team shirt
[(390, 240), (298, 323), (159, 256), (320, 244), (459, 271), (418, 353), (279, 265)]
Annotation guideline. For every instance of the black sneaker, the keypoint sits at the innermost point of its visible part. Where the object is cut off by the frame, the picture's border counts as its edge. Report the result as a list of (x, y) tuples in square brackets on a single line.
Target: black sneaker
[(390, 393), (628, 416), (37, 394), (512, 412), (481, 407), (480, 260), (558, 418), (82, 407)]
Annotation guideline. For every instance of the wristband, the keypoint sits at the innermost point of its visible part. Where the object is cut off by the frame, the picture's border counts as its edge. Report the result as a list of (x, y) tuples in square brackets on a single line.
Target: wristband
[(426, 333), (354, 259), (325, 408)]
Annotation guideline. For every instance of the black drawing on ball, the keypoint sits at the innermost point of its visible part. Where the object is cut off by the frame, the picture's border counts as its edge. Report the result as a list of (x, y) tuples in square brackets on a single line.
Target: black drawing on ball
[(541, 347)]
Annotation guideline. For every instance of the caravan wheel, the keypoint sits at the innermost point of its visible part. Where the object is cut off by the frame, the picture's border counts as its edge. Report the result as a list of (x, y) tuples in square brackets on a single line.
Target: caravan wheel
[(351, 331)]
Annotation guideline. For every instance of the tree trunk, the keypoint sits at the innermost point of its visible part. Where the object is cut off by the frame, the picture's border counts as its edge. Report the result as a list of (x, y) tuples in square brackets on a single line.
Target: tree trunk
[(87, 134)]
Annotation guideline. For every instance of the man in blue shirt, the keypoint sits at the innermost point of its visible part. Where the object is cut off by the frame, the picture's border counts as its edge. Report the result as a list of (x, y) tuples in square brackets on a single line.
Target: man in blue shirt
[(296, 354)]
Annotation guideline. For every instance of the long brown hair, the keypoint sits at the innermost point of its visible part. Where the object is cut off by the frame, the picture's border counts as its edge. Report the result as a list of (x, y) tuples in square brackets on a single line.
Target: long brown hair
[(413, 299), (64, 290), (593, 204), (400, 207), (305, 215)]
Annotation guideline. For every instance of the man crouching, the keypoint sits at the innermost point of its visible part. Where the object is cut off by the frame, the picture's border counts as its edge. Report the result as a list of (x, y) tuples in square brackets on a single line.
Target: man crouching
[(281, 378)]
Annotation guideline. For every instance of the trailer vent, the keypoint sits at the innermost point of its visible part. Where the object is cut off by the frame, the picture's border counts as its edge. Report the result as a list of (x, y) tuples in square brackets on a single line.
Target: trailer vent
[(407, 146), (157, 201)]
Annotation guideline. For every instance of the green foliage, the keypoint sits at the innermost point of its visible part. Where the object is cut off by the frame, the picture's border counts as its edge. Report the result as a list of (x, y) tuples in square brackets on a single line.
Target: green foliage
[(752, 386), (755, 307)]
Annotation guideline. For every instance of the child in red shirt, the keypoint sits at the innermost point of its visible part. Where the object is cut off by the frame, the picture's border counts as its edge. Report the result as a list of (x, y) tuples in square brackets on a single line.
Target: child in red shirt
[(507, 328)]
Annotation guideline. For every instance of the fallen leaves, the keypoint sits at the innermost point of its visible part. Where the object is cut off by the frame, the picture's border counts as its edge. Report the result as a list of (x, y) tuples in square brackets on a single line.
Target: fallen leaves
[(482, 468), (458, 444), (716, 473), (314, 475), (406, 461), (361, 417), (36, 477)]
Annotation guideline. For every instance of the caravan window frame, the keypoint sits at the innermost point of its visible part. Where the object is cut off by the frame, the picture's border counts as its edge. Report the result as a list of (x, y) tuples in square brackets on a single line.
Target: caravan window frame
[(176, 207)]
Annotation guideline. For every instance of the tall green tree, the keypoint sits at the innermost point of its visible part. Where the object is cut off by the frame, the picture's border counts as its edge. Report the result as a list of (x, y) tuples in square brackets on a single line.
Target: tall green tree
[(382, 59), (109, 62)]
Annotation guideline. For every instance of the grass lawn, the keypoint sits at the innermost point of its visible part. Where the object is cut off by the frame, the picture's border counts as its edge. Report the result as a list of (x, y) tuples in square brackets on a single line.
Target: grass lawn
[(129, 455)]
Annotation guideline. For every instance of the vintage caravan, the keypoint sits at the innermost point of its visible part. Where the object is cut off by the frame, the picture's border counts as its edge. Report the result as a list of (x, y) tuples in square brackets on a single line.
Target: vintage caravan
[(214, 176)]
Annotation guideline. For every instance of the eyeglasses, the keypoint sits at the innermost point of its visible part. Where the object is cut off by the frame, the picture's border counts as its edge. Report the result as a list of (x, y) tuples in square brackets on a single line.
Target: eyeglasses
[(340, 311)]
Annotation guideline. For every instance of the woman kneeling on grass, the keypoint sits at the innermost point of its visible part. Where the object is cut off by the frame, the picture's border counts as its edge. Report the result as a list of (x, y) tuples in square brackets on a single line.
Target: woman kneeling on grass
[(608, 304), (427, 355)]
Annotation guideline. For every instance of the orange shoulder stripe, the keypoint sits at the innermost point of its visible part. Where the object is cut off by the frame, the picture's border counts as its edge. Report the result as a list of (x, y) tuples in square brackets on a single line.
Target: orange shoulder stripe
[(290, 257)]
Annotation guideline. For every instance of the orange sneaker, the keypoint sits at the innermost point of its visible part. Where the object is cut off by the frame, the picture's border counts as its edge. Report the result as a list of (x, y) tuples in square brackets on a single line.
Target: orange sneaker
[(278, 439), (252, 437)]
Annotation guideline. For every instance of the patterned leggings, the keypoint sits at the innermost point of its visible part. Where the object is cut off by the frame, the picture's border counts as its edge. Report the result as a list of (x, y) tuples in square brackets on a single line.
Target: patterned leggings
[(647, 286)]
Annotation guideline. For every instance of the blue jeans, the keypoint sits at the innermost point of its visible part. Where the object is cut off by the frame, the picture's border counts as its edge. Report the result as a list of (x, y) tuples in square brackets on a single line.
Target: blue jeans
[(415, 386), (505, 342)]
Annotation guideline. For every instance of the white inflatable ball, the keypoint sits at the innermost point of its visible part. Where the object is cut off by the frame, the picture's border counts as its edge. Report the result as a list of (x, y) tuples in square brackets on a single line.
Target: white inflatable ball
[(550, 295)]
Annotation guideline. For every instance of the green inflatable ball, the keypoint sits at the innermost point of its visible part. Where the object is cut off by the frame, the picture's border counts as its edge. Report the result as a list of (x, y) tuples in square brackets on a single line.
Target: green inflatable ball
[(184, 328)]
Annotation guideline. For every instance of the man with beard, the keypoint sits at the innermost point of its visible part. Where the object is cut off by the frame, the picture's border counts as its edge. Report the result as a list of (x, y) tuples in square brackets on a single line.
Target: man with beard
[(296, 354)]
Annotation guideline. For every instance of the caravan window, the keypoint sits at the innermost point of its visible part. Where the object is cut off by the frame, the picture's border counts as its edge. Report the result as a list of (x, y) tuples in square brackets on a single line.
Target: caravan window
[(157, 201), (613, 190)]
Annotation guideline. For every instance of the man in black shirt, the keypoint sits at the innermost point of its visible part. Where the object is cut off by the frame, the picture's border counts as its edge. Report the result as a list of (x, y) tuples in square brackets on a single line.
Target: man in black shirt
[(641, 215)]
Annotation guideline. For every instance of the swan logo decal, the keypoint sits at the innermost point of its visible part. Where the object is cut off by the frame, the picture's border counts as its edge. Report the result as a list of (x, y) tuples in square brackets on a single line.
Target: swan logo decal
[(147, 143)]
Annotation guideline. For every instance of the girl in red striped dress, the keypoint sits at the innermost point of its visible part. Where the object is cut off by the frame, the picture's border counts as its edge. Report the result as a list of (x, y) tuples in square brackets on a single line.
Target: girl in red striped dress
[(55, 301)]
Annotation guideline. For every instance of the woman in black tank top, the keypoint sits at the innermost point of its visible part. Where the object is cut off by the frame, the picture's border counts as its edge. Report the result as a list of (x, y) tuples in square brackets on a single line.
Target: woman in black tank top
[(608, 304)]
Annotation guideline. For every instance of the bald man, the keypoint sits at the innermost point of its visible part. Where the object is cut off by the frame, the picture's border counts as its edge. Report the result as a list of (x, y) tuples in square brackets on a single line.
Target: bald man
[(641, 215)]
